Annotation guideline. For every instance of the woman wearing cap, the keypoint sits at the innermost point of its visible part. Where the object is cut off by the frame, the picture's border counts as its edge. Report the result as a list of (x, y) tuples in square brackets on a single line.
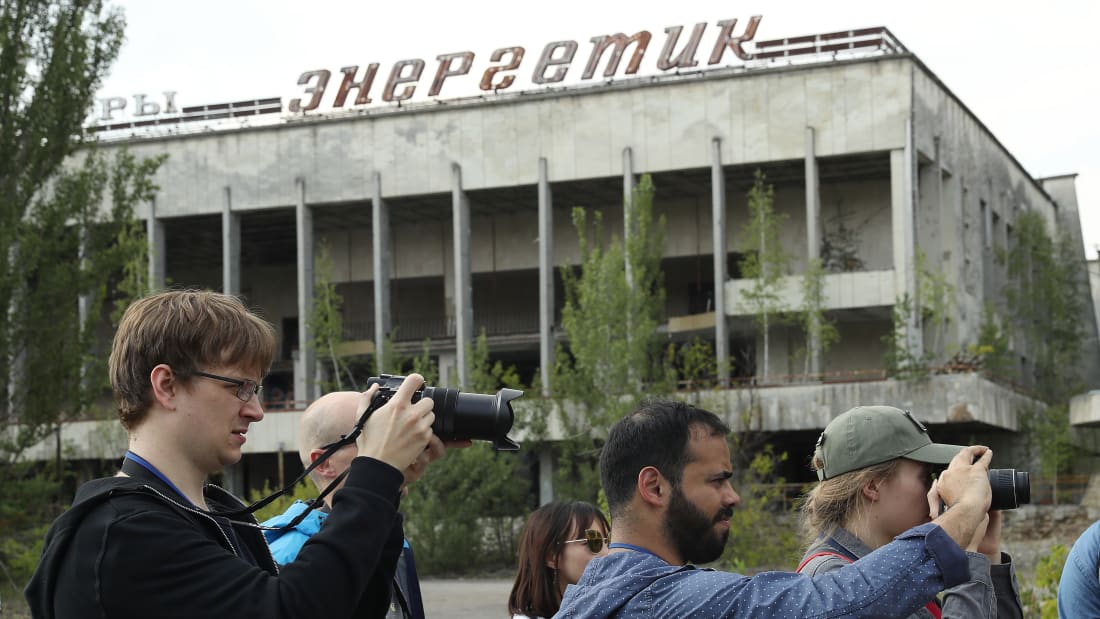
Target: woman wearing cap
[(558, 542), (875, 466)]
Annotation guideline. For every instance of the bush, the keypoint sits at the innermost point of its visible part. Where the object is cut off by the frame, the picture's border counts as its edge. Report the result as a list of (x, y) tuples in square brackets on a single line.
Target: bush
[(466, 512), (1041, 599)]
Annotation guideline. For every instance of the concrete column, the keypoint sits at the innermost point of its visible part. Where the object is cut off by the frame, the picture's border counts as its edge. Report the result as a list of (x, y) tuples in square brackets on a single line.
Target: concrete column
[(813, 242), (231, 247), (718, 229), (904, 238), (546, 474), (463, 298), (546, 277), (628, 211), (304, 384), (154, 231), (380, 242)]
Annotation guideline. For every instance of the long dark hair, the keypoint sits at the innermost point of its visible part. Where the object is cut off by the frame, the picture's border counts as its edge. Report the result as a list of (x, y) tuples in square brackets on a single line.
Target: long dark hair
[(535, 592)]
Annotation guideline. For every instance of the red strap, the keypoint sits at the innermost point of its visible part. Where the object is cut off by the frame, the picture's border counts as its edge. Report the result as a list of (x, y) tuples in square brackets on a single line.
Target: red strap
[(931, 606)]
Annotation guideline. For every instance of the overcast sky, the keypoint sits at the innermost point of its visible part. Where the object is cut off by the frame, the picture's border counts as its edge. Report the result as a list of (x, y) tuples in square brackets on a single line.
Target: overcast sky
[(1027, 70)]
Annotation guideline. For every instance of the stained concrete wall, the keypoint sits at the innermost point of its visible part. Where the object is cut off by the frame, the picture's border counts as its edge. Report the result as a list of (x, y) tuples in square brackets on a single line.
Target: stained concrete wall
[(759, 116)]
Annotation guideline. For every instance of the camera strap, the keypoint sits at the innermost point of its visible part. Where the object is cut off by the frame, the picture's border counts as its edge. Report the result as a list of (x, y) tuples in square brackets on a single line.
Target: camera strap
[(347, 439)]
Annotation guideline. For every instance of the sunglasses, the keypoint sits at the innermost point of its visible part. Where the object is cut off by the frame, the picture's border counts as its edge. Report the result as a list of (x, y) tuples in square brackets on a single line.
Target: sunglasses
[(593, 538)]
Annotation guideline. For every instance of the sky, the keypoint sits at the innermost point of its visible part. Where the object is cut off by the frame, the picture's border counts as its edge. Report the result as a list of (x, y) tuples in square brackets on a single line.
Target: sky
[(1027, 70)]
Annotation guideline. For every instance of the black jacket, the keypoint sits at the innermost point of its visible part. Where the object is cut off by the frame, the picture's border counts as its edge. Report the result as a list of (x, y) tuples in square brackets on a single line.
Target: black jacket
[(129, 548)]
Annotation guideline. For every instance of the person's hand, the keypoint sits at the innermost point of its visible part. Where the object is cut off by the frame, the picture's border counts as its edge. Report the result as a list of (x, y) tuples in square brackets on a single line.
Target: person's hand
[(964, 487), (966, 479), (990, 544), (434, 451), (400, 431)]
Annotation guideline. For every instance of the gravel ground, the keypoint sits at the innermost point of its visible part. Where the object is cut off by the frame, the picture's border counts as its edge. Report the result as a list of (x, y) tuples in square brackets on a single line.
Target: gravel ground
[(466, 598)]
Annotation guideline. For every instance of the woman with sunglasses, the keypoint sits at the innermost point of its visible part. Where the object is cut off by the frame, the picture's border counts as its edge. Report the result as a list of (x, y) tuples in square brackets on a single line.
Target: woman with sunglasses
[(559, 540), (875, 466)]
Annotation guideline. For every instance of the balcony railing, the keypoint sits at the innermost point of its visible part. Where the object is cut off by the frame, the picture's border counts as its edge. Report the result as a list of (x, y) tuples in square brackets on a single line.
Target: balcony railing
[(416, 329)]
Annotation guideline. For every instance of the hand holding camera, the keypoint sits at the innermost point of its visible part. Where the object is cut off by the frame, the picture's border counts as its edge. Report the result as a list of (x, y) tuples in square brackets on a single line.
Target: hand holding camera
[(400, 430)]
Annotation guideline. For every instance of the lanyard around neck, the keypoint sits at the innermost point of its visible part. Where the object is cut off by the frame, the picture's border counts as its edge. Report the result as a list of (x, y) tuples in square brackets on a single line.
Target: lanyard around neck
[(148, 466)]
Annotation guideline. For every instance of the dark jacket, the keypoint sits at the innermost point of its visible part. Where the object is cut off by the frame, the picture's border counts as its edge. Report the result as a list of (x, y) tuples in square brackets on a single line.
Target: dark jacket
[(130, 547), (992, 590)]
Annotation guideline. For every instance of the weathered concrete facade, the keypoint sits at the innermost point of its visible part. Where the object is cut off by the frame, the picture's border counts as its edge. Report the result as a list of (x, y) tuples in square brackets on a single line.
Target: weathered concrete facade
[(872, 159)]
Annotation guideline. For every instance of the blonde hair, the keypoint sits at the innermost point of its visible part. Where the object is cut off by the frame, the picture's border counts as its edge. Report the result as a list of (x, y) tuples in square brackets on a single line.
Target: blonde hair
[(186, 330), (836, 502)]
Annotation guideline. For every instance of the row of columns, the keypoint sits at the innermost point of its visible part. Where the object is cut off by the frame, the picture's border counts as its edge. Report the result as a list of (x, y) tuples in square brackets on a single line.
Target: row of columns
[(902, 166)]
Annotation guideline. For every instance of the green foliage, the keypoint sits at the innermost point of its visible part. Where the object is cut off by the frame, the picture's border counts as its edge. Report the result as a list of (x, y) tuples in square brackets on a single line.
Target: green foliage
[(696, 364), (30, 504), (762, 535), (765, 263), (815, 324), (58, 244), (937, 301), (326, 324), (993, 345), (424, 365), (901, 362), (466, 512), (1041, 598), (614, 354), (1047, 303), (304, 491), (487, 377)]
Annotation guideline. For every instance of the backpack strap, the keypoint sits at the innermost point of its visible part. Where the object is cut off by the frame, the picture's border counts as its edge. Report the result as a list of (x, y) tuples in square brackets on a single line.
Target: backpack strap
[(931, 607)]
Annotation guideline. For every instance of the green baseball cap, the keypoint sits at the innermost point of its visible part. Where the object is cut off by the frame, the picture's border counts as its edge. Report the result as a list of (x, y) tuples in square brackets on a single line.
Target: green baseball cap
[(869, 435)]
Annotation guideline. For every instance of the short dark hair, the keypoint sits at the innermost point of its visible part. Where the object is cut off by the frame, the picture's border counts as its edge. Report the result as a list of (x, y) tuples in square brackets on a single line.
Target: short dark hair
[(657, 435), (535, 591)]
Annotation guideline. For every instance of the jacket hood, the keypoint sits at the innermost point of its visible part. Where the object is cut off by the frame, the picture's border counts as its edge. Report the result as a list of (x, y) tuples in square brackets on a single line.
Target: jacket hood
[(89, 496)]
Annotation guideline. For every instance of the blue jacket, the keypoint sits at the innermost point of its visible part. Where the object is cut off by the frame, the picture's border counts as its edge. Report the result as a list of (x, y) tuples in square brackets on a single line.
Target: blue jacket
[(286, 544), (1079, 589), (894, 581)]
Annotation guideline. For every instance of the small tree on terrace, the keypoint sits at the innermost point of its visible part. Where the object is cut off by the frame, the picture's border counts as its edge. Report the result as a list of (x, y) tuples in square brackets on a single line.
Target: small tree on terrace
[(615, 352), (765, 263)]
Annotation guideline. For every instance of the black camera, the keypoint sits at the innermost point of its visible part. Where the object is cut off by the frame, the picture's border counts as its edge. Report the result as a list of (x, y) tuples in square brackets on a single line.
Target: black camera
[(1011, 488), (461, 416)]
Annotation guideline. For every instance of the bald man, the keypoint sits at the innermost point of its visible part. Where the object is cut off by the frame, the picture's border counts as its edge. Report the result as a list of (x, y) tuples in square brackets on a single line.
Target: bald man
[(324, 423)]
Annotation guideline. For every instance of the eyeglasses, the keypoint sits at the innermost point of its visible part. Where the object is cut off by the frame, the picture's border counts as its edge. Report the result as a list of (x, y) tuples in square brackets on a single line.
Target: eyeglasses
[(593, 538), (246, 388)]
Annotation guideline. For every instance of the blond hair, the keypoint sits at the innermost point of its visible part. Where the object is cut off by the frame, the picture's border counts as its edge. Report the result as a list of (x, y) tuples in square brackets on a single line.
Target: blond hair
[(835, 502), (186, 330)]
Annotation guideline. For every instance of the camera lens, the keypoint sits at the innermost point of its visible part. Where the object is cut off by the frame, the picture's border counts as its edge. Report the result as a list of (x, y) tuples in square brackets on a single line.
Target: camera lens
[(463, 416), (1011, 488), (474, 416)]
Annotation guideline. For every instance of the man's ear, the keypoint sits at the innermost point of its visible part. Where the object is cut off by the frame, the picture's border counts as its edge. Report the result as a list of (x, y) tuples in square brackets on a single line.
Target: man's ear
[(164, 384), (653, 488), (323, 469)]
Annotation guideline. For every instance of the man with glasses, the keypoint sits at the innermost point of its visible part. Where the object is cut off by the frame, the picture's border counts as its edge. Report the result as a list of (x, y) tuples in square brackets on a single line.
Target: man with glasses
[(322, 425), (666, 472), (156, 541)]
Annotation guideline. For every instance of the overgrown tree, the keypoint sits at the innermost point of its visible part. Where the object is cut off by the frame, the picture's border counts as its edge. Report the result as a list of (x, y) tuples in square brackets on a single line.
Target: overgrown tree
[(615, 352), (467, 509), (765, 263), (821, 332), (326, 323), (66, 261), (1046, 301)]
